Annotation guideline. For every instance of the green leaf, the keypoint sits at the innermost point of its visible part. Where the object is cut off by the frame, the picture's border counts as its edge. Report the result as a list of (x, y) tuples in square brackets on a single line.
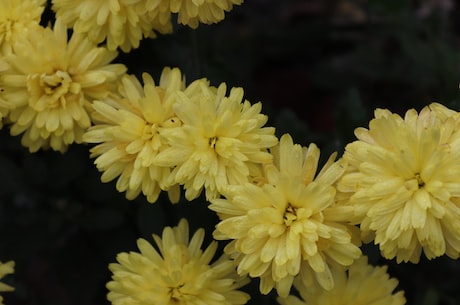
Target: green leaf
[(431, 297)]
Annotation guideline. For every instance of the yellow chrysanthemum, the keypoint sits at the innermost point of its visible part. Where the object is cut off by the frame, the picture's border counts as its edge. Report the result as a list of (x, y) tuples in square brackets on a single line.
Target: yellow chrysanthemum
[(220, 139), (179, 273), (362, 284), (122, 23), (193, 12), (5, 268), (17, 18), (128, 131), (289, 226), (404, 183), (50, 83)]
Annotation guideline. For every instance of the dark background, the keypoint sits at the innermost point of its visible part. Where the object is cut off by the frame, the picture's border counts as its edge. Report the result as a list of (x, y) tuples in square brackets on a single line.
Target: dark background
[(319, 67)]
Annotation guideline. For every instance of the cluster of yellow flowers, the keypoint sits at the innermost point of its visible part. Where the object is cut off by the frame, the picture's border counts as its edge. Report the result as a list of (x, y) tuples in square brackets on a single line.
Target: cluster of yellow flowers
[(288, 222), (160, 137)]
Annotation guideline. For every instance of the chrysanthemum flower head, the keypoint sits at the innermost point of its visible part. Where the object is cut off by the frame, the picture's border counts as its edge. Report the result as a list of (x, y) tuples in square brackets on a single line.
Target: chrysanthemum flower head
[(17, 18), (127, 131), (404, 183), (5, 268), (177, 272), (50, 83), (220, 138), (122, 23), (287, 227), (193, 12), (361, 284)]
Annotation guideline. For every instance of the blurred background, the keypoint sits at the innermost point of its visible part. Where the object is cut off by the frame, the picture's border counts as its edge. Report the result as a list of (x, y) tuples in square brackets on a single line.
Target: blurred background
[(320, 68)]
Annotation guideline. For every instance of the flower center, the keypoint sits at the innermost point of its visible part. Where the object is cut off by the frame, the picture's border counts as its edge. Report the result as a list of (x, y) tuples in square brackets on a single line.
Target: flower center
[(290, 215), (55, 82), (212, 142), (420, 182), (414, 183), (149, 132), (176, 293), (51, 89)]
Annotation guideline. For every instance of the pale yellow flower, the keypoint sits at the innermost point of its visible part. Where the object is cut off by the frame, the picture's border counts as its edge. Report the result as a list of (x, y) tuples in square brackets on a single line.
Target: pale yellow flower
[(289, 226), (361, 284), (17, 18), (5, 268), (404, 182), (128, 133), (50, 83), (193, 12), (122, 23), (179, 272), (221, 137)]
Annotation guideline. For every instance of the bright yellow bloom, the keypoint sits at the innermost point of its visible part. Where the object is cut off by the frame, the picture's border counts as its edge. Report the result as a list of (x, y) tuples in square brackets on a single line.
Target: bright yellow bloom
[(50, 83), (5, 268), (289, 226), (404, 182), (128, 130), (362, 284), (17, 18), (179, 272), (193, 12), (122, 23), (220, 139)]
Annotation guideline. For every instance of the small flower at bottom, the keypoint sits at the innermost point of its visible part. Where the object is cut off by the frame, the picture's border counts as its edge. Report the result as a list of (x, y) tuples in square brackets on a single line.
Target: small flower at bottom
[(288, 227), (403, 182), (361, 284), (5, 268), (179, 272)]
